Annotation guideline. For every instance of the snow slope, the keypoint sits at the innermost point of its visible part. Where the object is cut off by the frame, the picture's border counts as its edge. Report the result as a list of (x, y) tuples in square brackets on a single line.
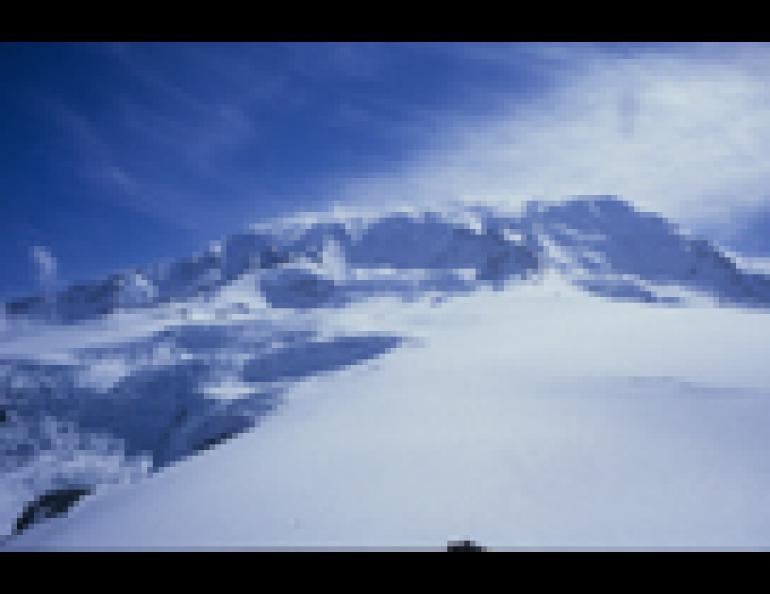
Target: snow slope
[(370, 410), (538, 417)]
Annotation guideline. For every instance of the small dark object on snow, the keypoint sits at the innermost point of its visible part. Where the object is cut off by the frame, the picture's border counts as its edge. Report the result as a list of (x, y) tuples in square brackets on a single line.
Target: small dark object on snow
[(464, 546), (50, 505)]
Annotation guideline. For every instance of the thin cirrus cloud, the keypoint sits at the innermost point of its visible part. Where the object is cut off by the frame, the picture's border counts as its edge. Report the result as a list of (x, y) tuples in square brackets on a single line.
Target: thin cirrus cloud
[(189, 132), (682, 130), (46, 266), (195, 134), (158, 148), (678, 129)]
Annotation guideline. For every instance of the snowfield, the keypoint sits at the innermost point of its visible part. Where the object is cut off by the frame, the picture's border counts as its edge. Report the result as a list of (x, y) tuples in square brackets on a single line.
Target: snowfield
[(535, 418), (617, 396)]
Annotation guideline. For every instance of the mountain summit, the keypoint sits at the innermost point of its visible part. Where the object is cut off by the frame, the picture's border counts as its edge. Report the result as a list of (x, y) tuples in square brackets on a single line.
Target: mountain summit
[(601, 244)]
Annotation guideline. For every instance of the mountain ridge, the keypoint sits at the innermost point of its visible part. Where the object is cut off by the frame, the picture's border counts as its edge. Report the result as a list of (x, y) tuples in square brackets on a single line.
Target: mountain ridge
[(603, 244)]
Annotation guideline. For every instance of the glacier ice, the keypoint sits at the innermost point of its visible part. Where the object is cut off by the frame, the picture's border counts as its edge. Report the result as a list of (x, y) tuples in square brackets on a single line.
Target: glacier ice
[(171, 360)]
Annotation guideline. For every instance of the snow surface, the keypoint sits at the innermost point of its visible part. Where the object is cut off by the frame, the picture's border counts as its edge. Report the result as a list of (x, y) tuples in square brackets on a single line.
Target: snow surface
[(346, 396), (537, 417)]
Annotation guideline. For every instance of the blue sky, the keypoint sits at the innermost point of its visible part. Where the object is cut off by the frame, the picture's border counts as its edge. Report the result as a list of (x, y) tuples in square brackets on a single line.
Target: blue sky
[(116, 155)]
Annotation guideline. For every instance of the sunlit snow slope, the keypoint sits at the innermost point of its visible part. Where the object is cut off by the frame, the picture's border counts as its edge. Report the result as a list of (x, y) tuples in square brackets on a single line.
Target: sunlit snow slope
[(575, 374)]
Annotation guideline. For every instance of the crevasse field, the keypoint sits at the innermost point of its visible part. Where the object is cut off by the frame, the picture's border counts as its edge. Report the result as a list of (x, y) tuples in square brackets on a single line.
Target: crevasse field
[(576, 373)]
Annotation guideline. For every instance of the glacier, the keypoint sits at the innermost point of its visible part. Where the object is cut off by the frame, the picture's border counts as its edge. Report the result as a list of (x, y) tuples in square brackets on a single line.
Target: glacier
[(570, 373)]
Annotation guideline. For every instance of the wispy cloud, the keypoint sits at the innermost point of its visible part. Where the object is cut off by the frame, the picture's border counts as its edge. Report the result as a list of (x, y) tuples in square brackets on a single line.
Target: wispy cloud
[(46, 266), (164, 152), (100, 162), (684, 130)]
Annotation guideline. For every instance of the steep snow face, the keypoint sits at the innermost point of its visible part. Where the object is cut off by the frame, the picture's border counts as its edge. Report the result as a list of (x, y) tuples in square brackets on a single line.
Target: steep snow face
[(609, 248), (308, 264), (135, 291), (430, 243), (146, 403)]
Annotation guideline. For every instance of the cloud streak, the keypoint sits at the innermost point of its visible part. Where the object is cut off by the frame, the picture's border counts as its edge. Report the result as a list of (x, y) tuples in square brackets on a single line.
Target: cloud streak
[(46, 266), (683, 131)]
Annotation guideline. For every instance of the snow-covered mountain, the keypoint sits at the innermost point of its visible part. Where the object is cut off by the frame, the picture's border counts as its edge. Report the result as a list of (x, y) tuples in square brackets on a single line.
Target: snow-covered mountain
[(603, 244), (108, 382)]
